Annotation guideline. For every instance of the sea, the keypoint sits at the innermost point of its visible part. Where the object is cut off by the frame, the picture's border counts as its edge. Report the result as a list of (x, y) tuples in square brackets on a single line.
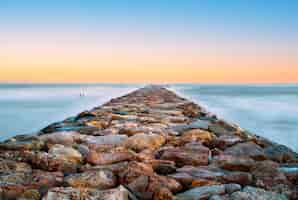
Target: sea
[(266, 110)]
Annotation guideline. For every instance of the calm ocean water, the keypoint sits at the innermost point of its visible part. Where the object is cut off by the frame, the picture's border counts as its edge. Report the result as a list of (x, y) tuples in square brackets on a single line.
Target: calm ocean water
[(26, 108), (267, 110)]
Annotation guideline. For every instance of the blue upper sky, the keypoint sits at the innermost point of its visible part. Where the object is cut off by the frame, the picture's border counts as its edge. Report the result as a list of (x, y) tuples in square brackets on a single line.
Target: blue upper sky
[(232, 15)]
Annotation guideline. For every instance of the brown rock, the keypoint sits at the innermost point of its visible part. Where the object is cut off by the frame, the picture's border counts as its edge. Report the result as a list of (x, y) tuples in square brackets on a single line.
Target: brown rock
[(234, 163), (225, 141), (163, 194), (246, 149), (115, 168), (266, 174), (66, 138), (102, 179), (187, 155), (144, 141), (281, 153), (10, 166), (203, 182), (108, 158), (195, 135), (242, 178)]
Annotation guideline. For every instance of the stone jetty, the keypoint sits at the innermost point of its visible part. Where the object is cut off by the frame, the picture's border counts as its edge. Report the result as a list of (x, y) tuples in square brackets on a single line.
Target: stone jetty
[(149, 144)]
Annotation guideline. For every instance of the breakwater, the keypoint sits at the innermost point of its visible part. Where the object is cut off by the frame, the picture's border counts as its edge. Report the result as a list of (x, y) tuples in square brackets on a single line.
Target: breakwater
[(148, 144)]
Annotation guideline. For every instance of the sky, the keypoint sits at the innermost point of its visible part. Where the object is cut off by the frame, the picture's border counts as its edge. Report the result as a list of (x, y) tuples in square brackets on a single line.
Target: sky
[(149, 41)]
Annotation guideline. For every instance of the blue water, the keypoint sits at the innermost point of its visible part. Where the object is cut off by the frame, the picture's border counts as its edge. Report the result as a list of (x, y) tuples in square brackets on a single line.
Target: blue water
[(26, 108), (267, 110)]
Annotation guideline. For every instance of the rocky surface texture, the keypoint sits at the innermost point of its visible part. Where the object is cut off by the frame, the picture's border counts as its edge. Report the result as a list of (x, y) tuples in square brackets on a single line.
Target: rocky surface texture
[(149, 144)]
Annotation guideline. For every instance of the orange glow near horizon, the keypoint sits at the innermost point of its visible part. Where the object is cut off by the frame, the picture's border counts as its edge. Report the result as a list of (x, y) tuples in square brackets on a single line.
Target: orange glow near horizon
[(76, 59)]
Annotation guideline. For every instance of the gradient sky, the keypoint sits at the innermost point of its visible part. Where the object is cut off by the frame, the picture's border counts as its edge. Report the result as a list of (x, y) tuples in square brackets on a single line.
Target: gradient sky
[(204, 41)]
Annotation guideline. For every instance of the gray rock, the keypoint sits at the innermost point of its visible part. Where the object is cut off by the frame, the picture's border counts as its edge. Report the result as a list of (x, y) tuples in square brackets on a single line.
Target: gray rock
[(232, 187), (252, 193), (201, 192), (247, 149), (198, 124)]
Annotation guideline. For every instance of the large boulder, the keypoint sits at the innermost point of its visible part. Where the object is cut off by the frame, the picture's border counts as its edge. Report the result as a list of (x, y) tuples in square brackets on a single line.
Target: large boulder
[(224, 141), (142, 141), (68, 153), (188, 155), (249, 149), (281, 153), (95, 142), (66, 138), (195, 135), (105, 158), (102, 179), (59, 158), (234, 163), (267, 174), (142, 181)]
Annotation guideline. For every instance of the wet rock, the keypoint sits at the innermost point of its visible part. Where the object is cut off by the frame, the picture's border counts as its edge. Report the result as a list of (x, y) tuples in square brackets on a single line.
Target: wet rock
[(242, 178), (22, 142), (187, 155), (225, 141), (266, 174), (201, 192), (102, 179), (281, 153), (190, 109), (221, 127), (291, 172), (230, 188), (249, 149), (234, 163), (215, 174), (144, 141), (252, 193), (85, 114), (198, 124)]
